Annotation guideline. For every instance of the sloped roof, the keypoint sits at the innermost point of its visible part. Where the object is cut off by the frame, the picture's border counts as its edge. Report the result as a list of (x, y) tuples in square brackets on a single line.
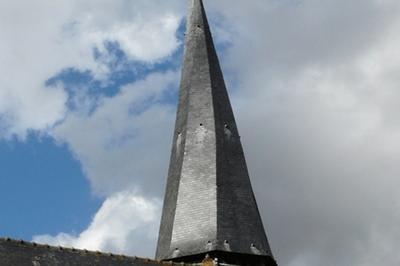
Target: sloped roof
[(22, 253)]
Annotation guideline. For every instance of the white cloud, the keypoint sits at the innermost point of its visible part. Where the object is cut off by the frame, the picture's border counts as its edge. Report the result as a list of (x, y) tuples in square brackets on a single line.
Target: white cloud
[(126, 223), (42, 38), (126, 140), (139, 26)]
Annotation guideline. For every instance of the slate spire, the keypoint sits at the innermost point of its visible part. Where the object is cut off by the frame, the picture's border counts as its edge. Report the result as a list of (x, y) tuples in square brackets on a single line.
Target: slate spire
[(209, 206)]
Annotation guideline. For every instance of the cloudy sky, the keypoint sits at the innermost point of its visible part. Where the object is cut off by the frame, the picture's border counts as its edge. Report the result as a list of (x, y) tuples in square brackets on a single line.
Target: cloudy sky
[(88, 91)]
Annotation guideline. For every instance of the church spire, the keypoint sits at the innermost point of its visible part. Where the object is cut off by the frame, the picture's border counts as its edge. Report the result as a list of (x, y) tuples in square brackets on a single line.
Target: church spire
[(209, 206)]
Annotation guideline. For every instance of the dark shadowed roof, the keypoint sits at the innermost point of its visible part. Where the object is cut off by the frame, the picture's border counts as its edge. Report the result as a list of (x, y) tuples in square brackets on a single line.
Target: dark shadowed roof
[(22, 253)]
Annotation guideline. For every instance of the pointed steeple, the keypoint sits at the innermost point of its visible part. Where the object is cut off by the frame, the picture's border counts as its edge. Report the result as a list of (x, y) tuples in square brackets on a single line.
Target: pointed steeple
[(209, 206)]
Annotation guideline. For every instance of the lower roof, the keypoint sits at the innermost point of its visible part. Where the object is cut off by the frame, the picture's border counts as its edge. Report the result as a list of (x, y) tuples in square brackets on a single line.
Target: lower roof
[(22, 253)]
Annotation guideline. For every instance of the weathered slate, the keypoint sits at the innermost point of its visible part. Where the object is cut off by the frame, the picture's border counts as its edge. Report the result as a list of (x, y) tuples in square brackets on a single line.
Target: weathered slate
[(209, 205)]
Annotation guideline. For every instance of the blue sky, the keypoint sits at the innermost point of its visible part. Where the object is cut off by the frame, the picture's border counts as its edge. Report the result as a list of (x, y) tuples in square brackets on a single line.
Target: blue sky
[(87, 108), (45, 188)]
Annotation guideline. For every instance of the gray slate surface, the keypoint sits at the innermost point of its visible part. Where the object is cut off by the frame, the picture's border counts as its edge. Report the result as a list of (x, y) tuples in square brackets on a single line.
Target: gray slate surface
[(209, 204)]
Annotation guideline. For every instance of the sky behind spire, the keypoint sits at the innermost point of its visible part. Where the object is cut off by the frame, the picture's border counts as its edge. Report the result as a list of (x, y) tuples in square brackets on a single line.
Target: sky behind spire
[(90, 88)]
